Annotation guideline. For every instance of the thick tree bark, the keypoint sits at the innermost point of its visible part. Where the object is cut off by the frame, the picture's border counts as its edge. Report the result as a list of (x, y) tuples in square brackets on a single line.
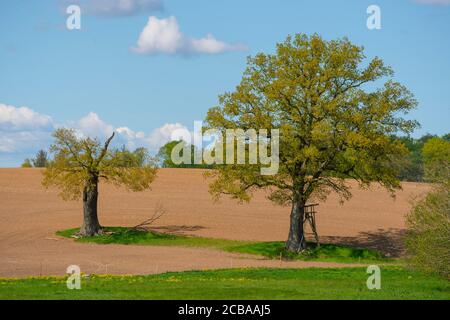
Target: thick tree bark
[(91, 225), (296, 241)]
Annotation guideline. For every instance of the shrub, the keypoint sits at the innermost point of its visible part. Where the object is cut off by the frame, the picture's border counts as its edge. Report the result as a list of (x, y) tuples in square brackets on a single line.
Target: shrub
[(428, 238)]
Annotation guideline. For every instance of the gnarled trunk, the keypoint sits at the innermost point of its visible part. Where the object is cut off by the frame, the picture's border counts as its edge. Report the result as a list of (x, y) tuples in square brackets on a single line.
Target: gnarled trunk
[(296, 241), (91, 226)]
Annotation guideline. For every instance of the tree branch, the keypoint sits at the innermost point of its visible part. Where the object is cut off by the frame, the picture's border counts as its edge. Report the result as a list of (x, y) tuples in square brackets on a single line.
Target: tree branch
[(105, 148)]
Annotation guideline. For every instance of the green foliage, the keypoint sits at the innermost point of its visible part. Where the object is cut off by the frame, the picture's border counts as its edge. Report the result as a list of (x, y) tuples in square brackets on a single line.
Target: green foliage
[(138, 158), (165, 152), (27, 163), (273, 250), (164, 155), (80, 163), (331, 127), (326, 252), (411, 167), (128, 236), (428, 238), (41, 159), (436, 154), (238, 284)]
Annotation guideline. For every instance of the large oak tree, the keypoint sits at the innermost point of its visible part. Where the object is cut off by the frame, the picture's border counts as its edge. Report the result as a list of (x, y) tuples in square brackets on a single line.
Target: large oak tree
[(336, 113), (79, 165)]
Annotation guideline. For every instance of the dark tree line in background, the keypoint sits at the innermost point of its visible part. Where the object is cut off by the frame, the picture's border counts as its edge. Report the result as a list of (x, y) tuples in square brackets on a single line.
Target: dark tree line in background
[(40, 161), (125, 158), (411, 168), (165, 160)]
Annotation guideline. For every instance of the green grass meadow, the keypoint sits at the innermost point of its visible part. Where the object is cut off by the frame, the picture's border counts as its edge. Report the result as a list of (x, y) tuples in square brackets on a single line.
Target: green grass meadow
[(397, 282), (273, 284), (272, 250)]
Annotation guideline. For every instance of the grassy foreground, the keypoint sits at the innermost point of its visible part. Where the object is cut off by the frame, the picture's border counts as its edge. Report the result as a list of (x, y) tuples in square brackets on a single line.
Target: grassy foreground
[(273, 250), (312, 283)]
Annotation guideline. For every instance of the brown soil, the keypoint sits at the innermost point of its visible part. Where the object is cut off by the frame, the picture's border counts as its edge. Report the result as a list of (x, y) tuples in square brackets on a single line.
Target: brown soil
[(30, 216)]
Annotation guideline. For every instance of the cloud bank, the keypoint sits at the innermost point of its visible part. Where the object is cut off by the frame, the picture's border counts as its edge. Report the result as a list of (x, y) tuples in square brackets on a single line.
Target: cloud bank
[(24, 131), (23, 118), (22, 128), (92, 126), (164, 36)]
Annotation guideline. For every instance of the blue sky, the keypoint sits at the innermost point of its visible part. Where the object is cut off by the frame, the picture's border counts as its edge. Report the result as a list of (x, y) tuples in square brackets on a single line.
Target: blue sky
[(92, 79)]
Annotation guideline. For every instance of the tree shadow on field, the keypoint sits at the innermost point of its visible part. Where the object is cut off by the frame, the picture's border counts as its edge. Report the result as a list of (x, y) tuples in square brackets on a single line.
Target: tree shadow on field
[(177, 229), (387, 241)]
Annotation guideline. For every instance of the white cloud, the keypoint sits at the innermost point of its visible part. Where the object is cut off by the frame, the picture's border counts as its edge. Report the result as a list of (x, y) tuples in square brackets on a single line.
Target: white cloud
[(130, 134), (131, 139), (23, 118), (24, 131), (92, 126), (162, 135), (164, 36), (434, 2), (116, 7)]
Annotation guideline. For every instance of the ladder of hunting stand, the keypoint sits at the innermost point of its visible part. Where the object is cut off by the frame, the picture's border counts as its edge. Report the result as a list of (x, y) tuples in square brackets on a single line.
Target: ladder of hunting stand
[(310, 216)]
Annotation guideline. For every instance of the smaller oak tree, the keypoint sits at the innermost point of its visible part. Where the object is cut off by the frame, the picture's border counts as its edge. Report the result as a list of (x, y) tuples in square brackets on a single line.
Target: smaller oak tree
[(80, 163)]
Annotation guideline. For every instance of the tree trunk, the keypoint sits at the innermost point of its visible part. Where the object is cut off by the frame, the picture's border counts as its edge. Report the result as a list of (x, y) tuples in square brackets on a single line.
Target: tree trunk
[(296, 241), (91, 226)]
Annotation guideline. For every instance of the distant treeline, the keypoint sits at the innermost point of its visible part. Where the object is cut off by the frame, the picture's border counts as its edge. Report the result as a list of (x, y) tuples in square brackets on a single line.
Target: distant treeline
[(122, 156), (165, 159), (411, 168)]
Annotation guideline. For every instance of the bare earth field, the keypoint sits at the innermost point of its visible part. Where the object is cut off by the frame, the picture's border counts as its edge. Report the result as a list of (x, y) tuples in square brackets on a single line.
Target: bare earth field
[(30, 216)]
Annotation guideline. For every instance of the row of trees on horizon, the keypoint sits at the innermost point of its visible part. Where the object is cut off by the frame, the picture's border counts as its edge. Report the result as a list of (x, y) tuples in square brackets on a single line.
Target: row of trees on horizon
[(411, 168)]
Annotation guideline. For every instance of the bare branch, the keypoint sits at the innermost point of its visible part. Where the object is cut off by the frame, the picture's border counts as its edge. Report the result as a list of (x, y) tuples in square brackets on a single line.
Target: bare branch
[(158, 213), (105, 148)]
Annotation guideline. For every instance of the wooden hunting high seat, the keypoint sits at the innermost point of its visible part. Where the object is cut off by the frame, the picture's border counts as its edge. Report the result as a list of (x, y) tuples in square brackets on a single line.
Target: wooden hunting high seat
[(310, 216)]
